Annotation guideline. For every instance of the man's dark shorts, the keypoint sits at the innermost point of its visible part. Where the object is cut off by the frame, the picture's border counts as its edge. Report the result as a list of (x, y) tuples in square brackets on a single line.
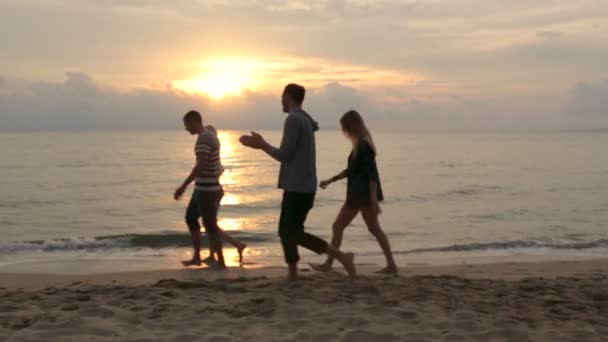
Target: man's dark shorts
[(204, 204)]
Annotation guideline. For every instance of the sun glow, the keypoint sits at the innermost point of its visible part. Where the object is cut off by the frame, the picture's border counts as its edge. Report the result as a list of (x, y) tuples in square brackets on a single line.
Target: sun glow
[(220, 78), (216, 86)]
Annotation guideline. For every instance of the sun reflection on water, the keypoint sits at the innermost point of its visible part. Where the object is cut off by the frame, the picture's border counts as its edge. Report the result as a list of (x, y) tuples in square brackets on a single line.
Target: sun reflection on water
[(231, 256), (231, 223), (228, 154)]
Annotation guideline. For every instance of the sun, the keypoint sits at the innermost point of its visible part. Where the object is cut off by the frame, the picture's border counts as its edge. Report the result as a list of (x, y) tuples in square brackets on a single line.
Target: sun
[(215, 85), (220, 78)]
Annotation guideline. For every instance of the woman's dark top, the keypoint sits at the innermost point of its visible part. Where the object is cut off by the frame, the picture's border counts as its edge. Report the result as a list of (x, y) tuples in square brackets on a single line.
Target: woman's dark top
[(362, 169)]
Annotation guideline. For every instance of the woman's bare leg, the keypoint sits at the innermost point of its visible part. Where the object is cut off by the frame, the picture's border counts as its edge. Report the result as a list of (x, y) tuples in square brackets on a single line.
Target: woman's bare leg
[(370, 216)]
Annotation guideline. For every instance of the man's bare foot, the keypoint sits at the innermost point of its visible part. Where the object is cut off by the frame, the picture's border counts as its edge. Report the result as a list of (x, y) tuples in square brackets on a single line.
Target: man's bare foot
[(292, 270), (208, 260), (349, 264), (192, 262), (320, 267), (389, 270), (240, 249)]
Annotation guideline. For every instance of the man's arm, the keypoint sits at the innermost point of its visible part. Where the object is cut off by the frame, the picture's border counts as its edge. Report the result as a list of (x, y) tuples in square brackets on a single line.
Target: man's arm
[(289, 141), (192, 176), (200, 150)]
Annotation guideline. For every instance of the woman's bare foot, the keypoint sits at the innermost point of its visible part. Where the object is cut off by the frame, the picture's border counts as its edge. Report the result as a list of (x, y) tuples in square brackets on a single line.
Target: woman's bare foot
[(192, 262), (389, 270), (240, 249), (348, 261), (320, 267)]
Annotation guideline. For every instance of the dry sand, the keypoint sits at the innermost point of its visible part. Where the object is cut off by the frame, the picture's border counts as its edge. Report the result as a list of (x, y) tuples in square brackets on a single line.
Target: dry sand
[(549, 301)]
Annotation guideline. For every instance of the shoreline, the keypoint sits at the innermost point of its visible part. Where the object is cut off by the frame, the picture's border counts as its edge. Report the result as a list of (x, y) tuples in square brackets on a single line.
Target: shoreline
[(500, 270)]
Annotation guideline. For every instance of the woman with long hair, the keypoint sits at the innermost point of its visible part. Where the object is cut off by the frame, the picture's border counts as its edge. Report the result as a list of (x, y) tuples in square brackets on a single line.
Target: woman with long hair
[(364, 191)]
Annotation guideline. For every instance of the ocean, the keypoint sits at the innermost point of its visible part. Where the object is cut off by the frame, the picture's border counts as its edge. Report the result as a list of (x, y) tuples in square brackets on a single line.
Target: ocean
[(90, 202)]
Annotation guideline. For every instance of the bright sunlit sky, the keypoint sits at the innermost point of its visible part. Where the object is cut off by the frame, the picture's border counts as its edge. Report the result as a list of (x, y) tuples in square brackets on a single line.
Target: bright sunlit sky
[(470, 64)]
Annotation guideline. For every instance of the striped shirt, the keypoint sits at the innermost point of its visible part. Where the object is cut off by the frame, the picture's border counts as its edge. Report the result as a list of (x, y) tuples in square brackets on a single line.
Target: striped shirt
[(207, 150)]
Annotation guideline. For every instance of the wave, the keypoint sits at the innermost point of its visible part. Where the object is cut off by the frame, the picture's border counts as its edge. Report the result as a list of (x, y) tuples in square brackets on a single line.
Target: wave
[(172, 239), (469, 191), (153, 240), (507, 245), (249, 208), (29, 204), (271, 205)]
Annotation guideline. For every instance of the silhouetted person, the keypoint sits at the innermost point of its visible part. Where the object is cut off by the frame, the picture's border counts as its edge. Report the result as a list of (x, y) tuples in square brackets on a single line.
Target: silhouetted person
[(207, 194), (364, 191), (298, 179)]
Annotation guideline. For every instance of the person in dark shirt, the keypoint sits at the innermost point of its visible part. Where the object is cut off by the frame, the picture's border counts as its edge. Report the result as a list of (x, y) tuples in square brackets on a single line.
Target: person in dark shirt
[(364, 191), (298, 180)]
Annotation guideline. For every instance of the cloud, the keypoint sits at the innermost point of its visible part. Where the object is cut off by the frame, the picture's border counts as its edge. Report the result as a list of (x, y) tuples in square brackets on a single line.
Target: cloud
[(332, 100), (461, 39), (590, 100), (550, 34), (79, 102)]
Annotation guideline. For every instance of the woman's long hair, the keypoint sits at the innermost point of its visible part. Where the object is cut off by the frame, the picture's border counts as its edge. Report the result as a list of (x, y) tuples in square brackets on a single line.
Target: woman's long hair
[(353, 124)]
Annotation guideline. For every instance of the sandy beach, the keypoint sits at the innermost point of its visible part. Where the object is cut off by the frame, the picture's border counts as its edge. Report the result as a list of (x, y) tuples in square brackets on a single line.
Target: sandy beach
[(548, 301)]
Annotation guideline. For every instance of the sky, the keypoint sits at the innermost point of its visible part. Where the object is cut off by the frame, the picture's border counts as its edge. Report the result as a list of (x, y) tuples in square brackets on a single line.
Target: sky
[(416, 64)]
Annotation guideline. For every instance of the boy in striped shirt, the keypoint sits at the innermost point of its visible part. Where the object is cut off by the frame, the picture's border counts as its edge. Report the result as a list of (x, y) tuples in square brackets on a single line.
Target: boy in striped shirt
[(207, 193)]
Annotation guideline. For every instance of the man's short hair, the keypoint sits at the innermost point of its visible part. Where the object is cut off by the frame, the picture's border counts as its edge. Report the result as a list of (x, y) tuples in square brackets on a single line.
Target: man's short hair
[(193, 116), (296, 92)]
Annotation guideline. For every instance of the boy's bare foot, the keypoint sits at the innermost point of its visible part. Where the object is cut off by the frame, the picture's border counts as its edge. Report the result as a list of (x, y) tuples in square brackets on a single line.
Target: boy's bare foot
[(320, 267), (192, 262), (389, 270), (240, 249)]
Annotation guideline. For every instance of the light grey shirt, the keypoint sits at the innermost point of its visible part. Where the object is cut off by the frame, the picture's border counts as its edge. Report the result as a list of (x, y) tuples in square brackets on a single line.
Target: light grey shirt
[(297, 154)]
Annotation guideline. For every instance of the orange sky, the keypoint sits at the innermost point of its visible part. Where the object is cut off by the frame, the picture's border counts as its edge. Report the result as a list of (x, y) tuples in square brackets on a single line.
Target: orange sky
[(397, 56)]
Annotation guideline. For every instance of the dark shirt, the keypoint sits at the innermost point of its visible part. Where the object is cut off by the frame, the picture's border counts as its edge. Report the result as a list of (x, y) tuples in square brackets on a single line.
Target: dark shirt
[(297, 154), (362, 170)]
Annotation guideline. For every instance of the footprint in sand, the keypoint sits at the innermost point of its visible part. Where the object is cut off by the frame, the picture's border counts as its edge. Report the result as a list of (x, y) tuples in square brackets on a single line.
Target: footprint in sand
[(366, 336), (211, 339), (451, 337), (407, 315), (97, 311), (69, 307)]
